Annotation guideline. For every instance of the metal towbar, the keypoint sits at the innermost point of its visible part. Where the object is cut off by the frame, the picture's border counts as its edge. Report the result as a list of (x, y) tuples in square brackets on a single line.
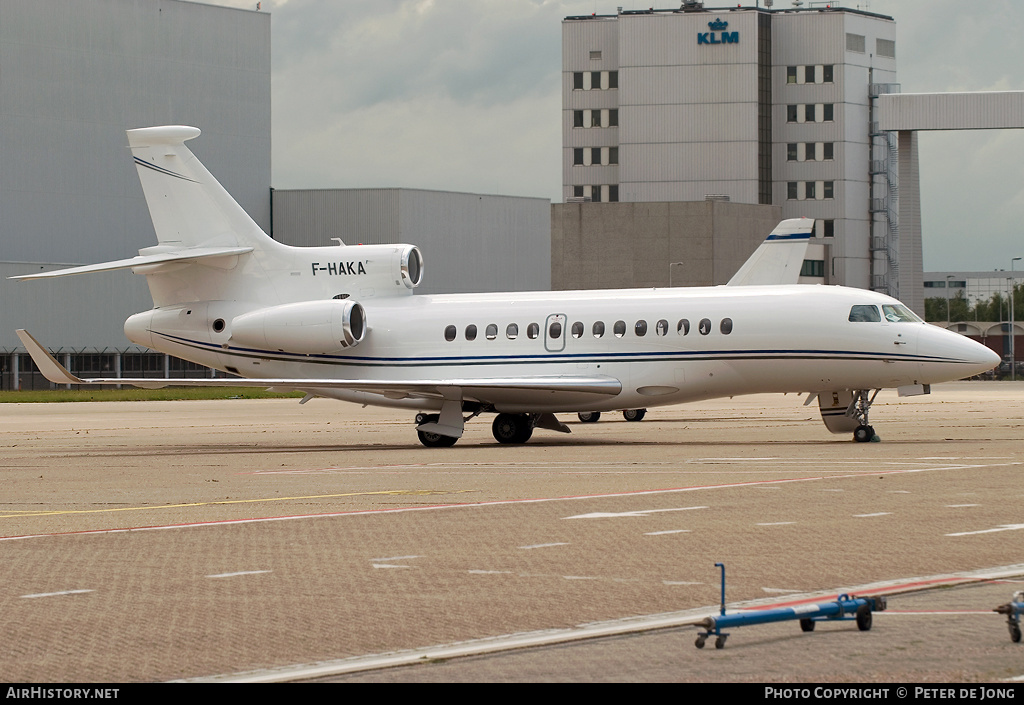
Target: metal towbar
[(845, 607), (1012, 611)]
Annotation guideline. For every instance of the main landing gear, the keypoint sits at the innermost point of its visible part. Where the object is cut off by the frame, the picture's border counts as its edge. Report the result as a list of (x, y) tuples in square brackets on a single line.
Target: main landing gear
[(864, 433), (628, 414), (430, 439)]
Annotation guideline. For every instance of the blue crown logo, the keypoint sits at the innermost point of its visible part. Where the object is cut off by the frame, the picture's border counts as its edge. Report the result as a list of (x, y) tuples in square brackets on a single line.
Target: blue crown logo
[(718, 25)]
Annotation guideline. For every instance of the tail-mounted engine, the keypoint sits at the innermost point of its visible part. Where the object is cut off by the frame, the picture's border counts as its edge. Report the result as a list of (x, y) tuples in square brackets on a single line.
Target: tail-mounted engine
[(309, 327)]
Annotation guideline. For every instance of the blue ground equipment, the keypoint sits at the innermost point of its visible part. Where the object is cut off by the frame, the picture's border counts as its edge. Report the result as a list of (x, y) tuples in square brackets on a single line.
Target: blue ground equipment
[(1012, 611), (844, 607)]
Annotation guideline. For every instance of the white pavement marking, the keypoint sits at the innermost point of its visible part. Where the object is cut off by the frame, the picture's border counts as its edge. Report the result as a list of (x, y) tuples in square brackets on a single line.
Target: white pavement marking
[(956, 506), (1004, 527), (54, 594), (876, 514), (240, 572), (543, 545), (637, 513), (775, 523), (503, 502), (591, 630), (671, 531)]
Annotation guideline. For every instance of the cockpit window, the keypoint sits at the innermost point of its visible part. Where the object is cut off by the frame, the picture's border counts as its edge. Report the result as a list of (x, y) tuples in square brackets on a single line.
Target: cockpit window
[(898, 313), (864, 313)]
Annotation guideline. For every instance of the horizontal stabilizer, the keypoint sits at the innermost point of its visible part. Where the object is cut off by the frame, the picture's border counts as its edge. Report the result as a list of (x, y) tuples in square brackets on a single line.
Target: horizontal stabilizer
[(464, 388), (779, 259), (149, 262)]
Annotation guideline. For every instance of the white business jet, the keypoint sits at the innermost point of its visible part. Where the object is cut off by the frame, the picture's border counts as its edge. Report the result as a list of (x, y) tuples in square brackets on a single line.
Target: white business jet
[(342, 322)]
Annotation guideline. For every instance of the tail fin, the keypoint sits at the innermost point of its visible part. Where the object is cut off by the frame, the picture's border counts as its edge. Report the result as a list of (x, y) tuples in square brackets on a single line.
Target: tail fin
[(188, 205), (778, 259)]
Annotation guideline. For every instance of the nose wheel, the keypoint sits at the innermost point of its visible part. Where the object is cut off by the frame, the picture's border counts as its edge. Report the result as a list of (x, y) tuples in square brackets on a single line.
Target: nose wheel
[(858, 409)]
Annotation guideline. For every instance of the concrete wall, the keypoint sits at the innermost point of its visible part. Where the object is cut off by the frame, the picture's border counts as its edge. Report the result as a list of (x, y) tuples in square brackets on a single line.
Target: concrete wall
[(625, 245)]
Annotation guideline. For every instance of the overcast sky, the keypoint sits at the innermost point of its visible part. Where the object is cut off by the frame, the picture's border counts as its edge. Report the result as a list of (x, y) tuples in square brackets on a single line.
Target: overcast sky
[(465, 95)]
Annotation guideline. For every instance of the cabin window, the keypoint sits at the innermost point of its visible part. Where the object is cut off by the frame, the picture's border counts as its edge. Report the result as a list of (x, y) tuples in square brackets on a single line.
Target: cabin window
[(726, 326), (619, 329), (898, 313), (640, 329), (449, 333), (864, 314), (683, 327), (555, 330), (470, 332), (662, 327), (532, 331), (704, 326), (512, 331), (598, 329), (577, 329), (492, 331)]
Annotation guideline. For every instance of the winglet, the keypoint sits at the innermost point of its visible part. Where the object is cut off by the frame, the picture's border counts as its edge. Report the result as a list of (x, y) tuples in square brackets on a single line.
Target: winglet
[(779, 258), (47, 363)]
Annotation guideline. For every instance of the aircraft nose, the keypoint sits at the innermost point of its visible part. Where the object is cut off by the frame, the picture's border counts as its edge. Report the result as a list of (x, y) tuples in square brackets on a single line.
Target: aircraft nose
[(980, 358)]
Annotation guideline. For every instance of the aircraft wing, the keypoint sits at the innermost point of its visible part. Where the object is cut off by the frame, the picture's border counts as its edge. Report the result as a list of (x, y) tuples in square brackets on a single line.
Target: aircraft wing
[(187, 255), (504, 390)]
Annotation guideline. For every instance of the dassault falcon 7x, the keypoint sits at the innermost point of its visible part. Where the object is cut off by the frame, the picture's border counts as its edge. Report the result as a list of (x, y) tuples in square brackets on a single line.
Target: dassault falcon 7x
[(342, 322)]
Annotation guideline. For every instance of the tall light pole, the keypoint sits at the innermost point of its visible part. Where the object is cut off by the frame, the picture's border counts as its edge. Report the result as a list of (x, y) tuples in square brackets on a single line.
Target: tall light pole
[(948, 277), (672, 264), (1013, 351)]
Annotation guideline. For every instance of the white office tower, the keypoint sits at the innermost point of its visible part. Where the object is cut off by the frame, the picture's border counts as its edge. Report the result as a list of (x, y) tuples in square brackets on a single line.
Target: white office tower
[(751, 105)]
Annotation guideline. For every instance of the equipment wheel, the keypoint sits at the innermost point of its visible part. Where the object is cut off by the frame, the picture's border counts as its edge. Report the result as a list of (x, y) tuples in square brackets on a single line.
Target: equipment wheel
[(435, 440), (863, 434), (1015, 633), (807, 625), (634, 414), (589, 416), (720, 642), (864, 618), (512, 428), (700, 641)]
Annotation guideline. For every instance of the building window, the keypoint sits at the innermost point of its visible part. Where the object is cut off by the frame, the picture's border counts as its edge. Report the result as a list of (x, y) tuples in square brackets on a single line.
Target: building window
[(613, 117), (595, 80), (855, 42), (809, 112), (813, 268), (809, 152), (828, 112), (886, 48), (595, 156), (809, 190), (791, 152), (577, 81), (613, 79), (826, 74), (829, 226), (828, 190), (577, 118), (577, 157), (828, 151), (791, 113), (613, 155), (791, 74), (613, 193), (791, 192), (595, 56), (577, 192), (808, 74)]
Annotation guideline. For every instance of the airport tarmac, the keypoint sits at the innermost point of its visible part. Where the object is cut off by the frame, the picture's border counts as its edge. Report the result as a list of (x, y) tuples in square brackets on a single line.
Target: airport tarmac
[(148, 541)]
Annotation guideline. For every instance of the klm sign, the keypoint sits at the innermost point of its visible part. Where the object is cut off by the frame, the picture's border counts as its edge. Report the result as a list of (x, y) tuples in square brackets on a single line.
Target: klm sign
[(718, 35)]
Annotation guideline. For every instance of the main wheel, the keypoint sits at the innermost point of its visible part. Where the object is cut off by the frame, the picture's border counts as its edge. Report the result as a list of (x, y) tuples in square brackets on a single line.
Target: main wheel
[(512, 428), (863, 434), (589, 416), (435, 440), (634, 414), (864, 618)]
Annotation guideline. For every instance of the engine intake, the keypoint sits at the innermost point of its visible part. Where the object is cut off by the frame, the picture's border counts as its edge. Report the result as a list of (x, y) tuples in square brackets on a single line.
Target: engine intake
[(308, 327)]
